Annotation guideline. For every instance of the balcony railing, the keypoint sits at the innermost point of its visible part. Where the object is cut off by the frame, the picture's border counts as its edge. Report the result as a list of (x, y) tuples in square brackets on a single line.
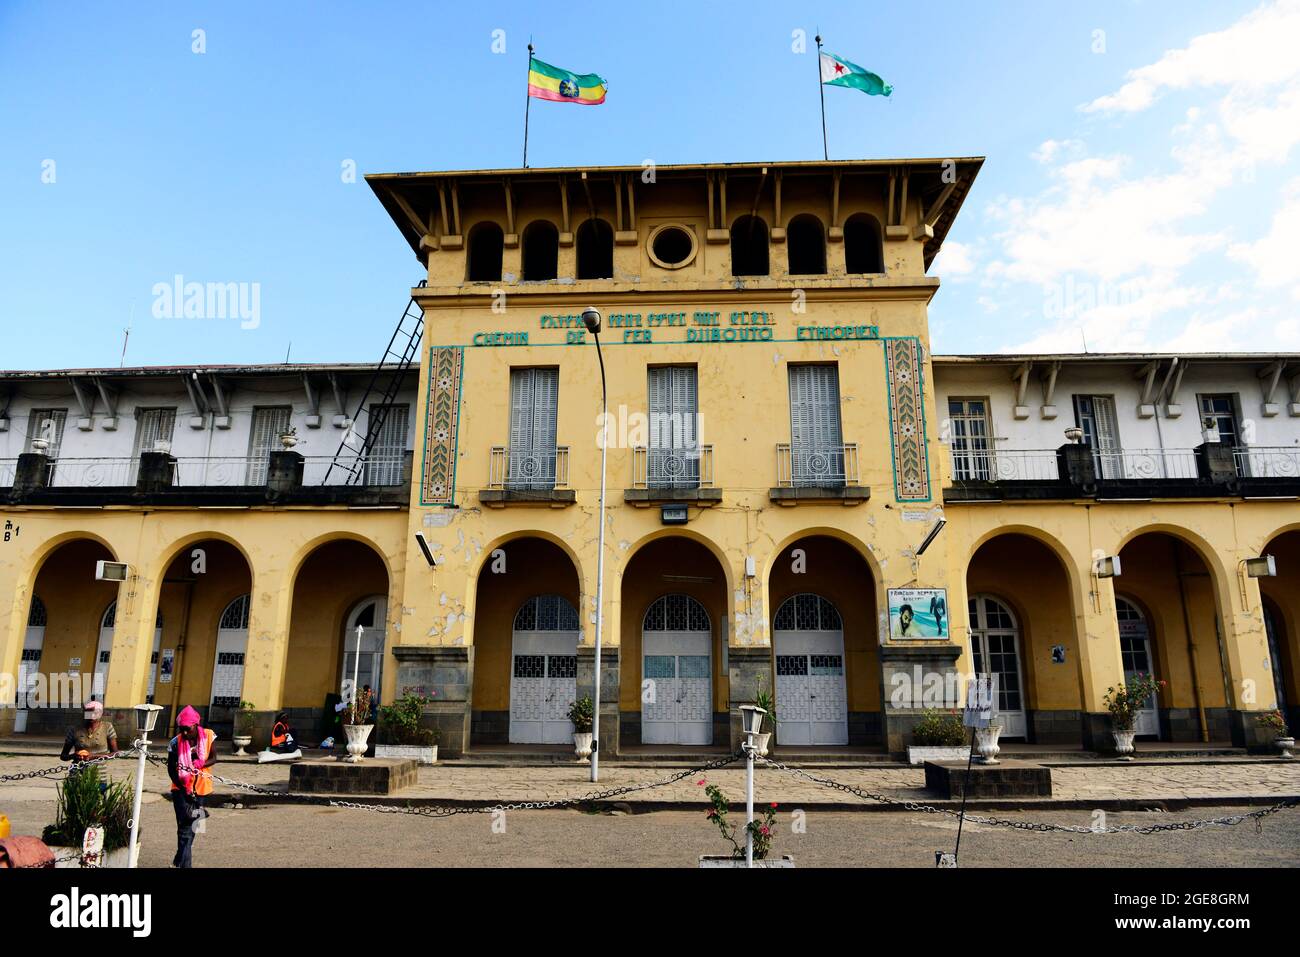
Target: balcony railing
[(672, 468), (826, 467), (1267, 462), (986, 465), (1143, 464), (528, 469), (91, 472)]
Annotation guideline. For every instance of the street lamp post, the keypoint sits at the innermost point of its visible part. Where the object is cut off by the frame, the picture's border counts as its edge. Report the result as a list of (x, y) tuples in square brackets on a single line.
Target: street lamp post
[(146, 716), (751, 723), (591, 319)]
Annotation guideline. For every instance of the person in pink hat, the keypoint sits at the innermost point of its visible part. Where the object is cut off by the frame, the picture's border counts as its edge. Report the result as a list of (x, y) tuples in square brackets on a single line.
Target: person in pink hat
[(95, 737), (189, 755)]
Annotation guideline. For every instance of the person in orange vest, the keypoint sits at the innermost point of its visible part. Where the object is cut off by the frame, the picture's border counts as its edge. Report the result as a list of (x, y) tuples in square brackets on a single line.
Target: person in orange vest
[(189, 755)]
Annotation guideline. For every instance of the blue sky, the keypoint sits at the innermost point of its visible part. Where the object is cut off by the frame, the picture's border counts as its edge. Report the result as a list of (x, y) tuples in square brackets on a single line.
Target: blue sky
[(1137, 197)]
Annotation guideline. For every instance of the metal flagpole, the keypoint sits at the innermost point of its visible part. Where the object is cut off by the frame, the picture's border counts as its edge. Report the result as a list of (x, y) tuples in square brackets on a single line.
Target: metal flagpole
[(528, 99), (821, 93)]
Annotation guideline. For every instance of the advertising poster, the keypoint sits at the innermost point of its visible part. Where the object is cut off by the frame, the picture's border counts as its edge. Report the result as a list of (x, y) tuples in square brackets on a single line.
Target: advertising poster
[(918, 613)]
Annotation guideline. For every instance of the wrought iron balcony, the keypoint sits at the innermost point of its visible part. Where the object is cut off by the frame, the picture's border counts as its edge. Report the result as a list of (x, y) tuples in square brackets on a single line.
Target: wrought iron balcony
[(832, 466), (537, 470), (672, 468), (1071, 471), (161, 478)]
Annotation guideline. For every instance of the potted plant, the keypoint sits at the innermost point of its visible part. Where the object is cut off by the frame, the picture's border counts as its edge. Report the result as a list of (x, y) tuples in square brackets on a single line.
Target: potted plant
[(1124, 703), (289, 437), (762, 828), (580, 713), (400, 733), (357, 726), (939, 736), (85, 798), (1274, 722), (764, 699), (243, 735)]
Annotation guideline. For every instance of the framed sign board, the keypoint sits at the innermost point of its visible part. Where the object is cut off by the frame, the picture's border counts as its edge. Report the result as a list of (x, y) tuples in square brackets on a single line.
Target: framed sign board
[(918, 613)]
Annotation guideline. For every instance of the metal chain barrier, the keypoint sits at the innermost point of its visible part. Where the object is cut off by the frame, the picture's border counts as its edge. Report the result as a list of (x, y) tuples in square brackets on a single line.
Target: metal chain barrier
[(448, 810), (64, 768), (1226, 821)]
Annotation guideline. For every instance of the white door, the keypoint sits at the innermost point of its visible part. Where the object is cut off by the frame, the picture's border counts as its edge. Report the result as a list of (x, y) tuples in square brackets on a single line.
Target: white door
[(153, 658), (232, 642), (371, 615), (385, 459), (1135, 650), (543, 671), (995, 647), (811, 698), (677, 692), (29, 667), (1096, 415), (103, 651), (816, 444)]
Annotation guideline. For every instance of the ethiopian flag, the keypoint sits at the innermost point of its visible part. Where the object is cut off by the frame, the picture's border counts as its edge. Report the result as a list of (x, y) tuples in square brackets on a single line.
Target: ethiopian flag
[(837, 71), (548, 82)]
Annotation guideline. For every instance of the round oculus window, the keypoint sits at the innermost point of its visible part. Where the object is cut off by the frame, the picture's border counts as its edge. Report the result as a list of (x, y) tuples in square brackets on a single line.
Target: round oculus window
[(672, 246)]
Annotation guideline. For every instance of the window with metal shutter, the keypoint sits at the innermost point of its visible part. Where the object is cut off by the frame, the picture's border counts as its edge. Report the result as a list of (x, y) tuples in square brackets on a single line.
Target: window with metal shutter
[(385, 460), (268, 423), (534, 402), (673, 459), (153, 426), (816, 446), (36, 429)]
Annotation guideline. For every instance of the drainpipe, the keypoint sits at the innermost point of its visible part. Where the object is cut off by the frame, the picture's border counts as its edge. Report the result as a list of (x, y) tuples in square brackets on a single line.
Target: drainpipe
[(1191, 644)]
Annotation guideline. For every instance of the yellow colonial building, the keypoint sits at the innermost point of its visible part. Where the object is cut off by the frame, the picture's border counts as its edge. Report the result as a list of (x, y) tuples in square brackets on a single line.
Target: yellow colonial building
[(801, 498)]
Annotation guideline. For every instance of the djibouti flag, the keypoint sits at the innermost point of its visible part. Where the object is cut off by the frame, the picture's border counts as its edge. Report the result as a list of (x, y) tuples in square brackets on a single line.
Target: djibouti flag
[(837, 71)]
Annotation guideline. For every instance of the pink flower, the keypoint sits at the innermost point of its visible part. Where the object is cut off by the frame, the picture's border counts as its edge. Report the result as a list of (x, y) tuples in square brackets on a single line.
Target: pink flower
[(700, 782), (764, 830), (773, 804)]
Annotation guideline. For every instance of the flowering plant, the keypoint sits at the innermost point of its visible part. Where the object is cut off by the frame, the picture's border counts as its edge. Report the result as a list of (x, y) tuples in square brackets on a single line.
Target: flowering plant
[(1273, 721), (359, 711), (761, 828), (1128, 699)]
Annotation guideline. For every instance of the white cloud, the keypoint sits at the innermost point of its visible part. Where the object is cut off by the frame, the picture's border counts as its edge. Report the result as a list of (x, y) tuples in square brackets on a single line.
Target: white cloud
[(1049, 150), (1275, 256), (1120, 250), (1256, 52), (954, 261)]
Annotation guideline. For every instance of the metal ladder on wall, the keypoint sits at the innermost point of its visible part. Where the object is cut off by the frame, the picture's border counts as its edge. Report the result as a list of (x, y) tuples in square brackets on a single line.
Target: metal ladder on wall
[(384, 384)]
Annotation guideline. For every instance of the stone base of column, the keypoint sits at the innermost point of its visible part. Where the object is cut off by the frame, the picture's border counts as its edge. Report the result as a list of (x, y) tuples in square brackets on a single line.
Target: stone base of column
[(610, 719), (445, 674), (912, 676), (1249, 735), (749, 668)]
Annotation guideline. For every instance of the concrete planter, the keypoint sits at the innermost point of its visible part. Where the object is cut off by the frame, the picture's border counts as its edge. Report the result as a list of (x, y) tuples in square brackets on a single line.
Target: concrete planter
[(718, 860), (986, 741), (919, 754), (582, 746), (412, 751), (118, 858), (358, 735), (241, 741), (1124, 743), (1285, 746)]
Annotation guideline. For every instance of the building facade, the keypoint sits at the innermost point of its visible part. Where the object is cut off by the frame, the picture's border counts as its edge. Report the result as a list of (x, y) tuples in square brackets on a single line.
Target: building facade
[(800, 497)]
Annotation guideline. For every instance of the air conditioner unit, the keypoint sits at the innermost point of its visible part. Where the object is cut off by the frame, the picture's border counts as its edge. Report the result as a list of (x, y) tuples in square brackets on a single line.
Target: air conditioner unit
[(110, 571)]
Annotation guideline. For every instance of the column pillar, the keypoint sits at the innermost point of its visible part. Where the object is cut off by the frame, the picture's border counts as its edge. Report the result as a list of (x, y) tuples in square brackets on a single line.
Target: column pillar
[(1246, 657), (270, 605), (1101, 666)]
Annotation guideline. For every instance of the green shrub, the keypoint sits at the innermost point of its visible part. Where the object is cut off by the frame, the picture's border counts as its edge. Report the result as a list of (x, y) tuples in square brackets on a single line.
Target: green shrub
[(939, 730), (83, 802), (399, 723), (581, 713)]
